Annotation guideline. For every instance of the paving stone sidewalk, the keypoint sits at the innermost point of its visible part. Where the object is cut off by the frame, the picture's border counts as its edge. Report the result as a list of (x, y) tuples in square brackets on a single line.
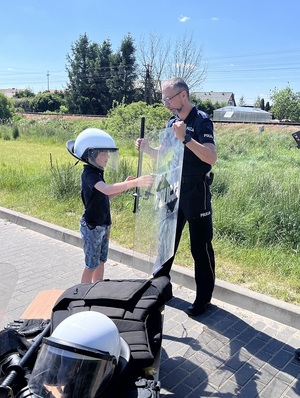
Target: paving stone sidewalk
[(226, 352)]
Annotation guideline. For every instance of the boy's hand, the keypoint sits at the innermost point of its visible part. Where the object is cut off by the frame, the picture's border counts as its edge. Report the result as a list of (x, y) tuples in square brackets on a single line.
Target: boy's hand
[(145, 181)]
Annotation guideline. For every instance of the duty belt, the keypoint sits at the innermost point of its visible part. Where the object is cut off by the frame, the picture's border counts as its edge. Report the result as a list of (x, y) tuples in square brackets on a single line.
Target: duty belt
[(195, 178)]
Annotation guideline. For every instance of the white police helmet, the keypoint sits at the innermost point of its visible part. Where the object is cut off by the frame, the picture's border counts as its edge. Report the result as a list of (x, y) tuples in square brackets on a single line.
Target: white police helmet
[(79, 358), (89, 143)]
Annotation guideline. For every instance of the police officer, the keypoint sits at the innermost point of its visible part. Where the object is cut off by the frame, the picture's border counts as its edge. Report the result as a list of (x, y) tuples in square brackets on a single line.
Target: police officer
[(195, 130)]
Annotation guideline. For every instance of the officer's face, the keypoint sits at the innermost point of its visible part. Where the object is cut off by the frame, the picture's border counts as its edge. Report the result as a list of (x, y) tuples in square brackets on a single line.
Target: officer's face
[(171, 98)]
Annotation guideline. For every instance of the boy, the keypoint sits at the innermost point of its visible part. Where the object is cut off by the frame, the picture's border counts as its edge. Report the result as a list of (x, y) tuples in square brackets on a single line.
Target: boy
[(98, 150)]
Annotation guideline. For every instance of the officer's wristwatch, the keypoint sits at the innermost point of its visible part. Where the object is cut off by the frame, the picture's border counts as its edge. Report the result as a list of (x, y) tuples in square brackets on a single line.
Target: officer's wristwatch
[(187, 139)]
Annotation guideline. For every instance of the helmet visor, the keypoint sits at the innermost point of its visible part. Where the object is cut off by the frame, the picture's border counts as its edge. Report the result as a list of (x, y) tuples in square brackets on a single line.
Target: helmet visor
[(102, 158), (70, 372)]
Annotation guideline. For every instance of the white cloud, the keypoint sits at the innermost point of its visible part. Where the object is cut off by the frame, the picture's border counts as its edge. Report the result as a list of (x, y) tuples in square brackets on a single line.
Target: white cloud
[(215, 19), (183, 18)]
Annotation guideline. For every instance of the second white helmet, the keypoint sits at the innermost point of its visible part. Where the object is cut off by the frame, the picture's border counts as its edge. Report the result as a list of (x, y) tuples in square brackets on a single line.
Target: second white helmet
[(79, 358)]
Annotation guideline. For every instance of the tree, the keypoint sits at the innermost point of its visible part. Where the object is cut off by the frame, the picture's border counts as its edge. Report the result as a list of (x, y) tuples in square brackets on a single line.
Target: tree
[(242, 101), (104, 74), (83, 89), (163, 59), (152, 57), (286, 104), (47, 101), (97, 76), (23, 100), (6, 108), (123, 72), (259, 103), (23, 104), (27, 93), (186, 62), (207, 106)]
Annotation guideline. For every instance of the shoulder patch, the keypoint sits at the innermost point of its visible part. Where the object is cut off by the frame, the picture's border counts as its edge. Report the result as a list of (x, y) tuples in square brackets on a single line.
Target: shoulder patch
[(202, 114)]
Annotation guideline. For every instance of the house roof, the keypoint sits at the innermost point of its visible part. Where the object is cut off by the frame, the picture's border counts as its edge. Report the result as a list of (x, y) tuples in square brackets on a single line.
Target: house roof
[(214, 96)]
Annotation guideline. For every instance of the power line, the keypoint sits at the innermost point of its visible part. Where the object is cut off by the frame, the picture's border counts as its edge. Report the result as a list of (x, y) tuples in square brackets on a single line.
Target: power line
[(260, 66)]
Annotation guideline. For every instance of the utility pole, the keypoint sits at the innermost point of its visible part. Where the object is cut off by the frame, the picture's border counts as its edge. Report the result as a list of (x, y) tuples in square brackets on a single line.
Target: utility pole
[(48, 74), (148, 98)]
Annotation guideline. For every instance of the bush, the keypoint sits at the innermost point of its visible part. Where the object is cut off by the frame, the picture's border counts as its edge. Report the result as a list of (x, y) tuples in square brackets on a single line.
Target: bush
[(15, 132), (124, 121), (6, 108), (65, 182)]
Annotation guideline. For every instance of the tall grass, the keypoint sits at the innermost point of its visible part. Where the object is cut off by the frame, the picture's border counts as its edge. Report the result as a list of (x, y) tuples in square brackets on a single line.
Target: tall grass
[(256, 189), (65, 181)]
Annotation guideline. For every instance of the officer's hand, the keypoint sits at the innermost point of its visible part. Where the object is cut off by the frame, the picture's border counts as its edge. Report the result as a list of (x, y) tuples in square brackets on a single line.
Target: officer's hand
[(142, 144), (179, 128)]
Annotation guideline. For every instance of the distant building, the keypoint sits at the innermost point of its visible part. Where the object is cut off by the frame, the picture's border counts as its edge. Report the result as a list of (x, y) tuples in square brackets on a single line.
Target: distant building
[(216, 97), (10, 92), (241, 114)]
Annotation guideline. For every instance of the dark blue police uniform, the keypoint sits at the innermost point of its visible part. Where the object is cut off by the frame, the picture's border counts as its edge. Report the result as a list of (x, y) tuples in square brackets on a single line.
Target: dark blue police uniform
[(195, 208)]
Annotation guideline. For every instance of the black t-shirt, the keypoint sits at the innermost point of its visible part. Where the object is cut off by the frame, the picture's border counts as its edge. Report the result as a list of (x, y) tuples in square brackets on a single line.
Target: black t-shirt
[(200, 128), (96, 203)]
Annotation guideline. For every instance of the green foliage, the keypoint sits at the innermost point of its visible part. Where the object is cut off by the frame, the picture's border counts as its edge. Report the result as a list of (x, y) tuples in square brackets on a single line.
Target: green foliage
[(11, 178), (6, 108), (47, 101), (27, 93), (63, 109), (15, 132), (124, 120), (123, 72), (65, 181), (85, 93), (123, 123), (242, 101), (23, 104), (207, 106), (55, 130), (286, 104), (5, 131), (98, 76), (256, 189), (6, 137)]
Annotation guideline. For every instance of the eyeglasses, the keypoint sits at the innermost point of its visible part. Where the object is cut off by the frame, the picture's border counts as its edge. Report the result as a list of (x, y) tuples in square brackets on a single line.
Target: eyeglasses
[(169, 99)]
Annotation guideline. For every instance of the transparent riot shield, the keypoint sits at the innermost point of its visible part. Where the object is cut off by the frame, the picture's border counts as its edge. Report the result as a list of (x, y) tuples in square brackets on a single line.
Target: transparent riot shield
[(9, 279), (156, 216)]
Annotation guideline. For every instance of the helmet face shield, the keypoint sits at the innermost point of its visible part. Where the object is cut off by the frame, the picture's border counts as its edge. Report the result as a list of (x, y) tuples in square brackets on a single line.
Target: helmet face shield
[(102, 158), (79, 359), (70, 372)]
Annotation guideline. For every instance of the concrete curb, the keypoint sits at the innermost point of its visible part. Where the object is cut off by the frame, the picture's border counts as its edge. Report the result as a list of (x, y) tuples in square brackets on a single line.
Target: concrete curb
[(257, 303)]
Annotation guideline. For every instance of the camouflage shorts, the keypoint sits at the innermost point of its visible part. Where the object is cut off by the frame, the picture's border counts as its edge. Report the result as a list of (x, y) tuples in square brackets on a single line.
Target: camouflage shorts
[(95, 244)]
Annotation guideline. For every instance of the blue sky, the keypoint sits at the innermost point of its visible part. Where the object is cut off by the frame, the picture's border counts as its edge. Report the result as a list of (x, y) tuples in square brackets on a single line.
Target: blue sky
[(250, 47)]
